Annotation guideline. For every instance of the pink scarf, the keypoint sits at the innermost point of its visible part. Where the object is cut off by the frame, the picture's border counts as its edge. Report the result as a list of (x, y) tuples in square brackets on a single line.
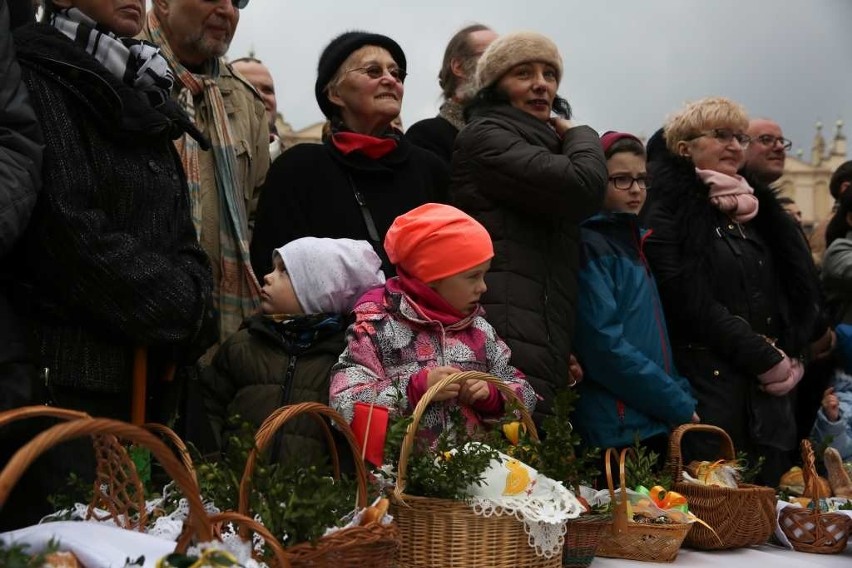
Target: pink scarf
[(730, 194)]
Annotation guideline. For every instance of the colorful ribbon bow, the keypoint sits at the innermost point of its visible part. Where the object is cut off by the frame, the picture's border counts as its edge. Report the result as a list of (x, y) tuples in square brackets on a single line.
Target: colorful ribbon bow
[(664, 499)]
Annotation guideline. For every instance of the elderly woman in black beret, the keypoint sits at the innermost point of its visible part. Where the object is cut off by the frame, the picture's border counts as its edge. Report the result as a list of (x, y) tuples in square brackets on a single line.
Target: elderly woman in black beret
[(365, 173)]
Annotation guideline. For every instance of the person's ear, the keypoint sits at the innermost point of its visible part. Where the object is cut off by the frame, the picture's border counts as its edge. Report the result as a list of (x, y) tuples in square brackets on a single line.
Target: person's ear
[(683, 149), (457, 67), (843, 187), (333, 95), (161, 6), (849, 218)]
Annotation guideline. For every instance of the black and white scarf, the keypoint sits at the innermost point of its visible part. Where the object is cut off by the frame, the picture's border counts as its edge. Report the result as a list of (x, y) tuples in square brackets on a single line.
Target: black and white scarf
[(137, 63)]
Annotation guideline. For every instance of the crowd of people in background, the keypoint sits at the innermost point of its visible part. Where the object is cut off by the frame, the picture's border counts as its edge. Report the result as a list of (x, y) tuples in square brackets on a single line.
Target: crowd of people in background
[(149, 209)]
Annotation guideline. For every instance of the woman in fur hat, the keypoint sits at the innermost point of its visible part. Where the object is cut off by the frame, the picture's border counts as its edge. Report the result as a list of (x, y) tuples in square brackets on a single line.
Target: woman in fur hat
[(524, 171), (737, 285), (365, 173)]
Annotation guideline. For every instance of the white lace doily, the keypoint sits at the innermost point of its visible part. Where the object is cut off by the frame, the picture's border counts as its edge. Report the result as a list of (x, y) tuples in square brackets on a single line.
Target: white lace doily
[(540, 503)]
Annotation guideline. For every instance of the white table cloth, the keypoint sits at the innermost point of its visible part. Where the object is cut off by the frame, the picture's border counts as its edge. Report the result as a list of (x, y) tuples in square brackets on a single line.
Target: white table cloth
[(95, 545)]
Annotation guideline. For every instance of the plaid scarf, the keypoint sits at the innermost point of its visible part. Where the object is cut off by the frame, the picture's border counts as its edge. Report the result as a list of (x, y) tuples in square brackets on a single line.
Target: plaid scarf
[(238, 292), (300, 332), (135, 62)]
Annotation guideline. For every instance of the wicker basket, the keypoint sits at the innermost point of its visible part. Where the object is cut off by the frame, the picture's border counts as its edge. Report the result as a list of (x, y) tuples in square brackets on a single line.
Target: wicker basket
[(810, 530), (372, 545), (447, 533), (637, 541), (744, 516), (581, 539)]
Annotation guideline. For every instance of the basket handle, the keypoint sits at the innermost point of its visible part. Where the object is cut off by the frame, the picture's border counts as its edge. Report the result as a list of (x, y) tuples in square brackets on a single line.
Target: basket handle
[(411, 432), (809, 475), (74, 429), (316, 411), (281, 559), (675, 458), (39, 411), (619, 517), (179, 445)]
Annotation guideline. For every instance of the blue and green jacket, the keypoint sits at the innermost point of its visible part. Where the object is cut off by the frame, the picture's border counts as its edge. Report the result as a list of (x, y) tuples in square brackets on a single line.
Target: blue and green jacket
[(630, 385)]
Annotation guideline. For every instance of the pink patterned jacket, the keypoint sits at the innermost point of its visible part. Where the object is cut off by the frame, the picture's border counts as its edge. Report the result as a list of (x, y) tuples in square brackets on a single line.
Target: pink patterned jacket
[(391, 341)]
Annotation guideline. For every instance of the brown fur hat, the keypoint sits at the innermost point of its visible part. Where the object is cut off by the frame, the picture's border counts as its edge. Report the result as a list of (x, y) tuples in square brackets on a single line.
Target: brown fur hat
[(513, 49)]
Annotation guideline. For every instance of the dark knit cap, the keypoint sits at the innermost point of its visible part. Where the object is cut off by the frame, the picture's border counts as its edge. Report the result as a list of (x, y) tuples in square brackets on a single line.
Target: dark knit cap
[(336, 53), (841, 174)]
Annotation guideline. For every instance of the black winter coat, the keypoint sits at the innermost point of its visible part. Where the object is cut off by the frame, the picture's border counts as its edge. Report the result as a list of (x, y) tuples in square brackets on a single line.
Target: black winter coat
[(110, 260), (531, 190), (20, 181), (435, 134), (310, 192), (252, 375), (727, 288)]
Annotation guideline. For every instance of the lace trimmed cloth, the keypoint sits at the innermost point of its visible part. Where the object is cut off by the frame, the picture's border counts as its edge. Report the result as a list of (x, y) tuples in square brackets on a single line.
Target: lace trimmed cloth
[(511, 487)]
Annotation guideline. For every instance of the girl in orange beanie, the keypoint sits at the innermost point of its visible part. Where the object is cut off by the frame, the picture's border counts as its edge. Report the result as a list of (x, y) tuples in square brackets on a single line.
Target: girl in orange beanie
[(427, 323)]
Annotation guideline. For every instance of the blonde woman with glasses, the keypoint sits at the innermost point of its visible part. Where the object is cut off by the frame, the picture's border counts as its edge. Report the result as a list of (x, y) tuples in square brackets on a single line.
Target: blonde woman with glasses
[(737, 285)]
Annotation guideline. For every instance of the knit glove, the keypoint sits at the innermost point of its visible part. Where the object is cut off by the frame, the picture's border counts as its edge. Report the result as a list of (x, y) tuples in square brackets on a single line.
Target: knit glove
[(783, 387), (777, 373)]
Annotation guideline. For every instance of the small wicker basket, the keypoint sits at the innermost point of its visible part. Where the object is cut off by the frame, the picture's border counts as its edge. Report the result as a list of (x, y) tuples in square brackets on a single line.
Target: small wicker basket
[(810, 530), (447, 533), (373, 545), (744, 516), (581, 539), (636, 541)]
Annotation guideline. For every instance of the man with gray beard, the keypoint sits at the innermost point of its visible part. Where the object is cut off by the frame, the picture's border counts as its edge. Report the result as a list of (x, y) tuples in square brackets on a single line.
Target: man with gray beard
[(224, 179), (438, 134)]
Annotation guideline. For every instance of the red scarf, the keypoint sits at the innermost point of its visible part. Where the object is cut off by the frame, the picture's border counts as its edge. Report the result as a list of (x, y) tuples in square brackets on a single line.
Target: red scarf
[(426, 301), (371, 146)]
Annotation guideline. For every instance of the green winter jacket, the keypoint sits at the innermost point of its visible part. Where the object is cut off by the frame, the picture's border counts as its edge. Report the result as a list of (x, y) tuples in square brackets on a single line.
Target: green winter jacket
[(252, 376)]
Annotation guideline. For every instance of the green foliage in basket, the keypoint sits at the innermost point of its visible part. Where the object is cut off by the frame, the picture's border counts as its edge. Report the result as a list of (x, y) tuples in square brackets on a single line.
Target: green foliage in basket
[(16, 556), (433, 471), (748, 469), (641, 468), (559, 454)]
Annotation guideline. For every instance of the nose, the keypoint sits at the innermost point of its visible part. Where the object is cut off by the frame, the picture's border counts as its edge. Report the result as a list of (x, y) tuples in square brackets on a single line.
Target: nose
[(482, 287), (267, 279), (227, 8)]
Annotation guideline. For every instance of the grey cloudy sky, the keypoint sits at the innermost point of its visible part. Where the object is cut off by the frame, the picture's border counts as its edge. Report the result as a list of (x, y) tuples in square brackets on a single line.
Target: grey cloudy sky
[(628, 63)]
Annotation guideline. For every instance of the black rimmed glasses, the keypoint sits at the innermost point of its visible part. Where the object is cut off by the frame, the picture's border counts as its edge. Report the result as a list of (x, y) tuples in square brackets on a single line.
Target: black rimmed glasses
[(625, 183), (376, 71), (725, 136), (770, 141)]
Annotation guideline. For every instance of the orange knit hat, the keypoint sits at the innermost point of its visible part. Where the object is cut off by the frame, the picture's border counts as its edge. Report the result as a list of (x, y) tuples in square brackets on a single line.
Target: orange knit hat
[(435, 241)]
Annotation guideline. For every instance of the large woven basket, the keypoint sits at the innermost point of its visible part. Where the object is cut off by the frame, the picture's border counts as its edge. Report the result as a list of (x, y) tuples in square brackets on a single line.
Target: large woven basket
[(810, 530), (373, 545), (741, 517), (447, 533), (636, 541)]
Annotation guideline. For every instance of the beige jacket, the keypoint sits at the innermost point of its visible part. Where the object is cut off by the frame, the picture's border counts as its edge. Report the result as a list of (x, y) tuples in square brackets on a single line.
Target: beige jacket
[(250, 130)]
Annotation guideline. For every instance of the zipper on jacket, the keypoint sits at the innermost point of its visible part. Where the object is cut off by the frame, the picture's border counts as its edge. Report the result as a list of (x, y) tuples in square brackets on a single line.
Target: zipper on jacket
[(287, 387)]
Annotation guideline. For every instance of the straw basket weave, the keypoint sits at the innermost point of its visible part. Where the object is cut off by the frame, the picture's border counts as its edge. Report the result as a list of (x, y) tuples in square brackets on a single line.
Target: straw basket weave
[(637, 541), (810, 530), (581, 539), (744, 516), (371, 546), (447, 533)]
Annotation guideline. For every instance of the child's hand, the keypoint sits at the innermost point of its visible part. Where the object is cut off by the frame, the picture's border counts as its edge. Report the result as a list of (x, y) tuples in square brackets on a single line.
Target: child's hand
[(830, 405), (695, 418), (473, 390), (449, 391)]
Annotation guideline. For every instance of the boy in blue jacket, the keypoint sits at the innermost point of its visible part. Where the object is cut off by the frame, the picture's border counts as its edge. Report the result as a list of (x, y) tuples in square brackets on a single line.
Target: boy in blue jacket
[(631, 387)]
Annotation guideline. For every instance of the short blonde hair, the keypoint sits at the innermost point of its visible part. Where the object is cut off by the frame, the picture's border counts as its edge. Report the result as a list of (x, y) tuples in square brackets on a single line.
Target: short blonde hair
[(701, 115)]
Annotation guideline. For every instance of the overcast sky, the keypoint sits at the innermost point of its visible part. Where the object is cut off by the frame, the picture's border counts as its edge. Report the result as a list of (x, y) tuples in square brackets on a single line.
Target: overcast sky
[(628, 63)]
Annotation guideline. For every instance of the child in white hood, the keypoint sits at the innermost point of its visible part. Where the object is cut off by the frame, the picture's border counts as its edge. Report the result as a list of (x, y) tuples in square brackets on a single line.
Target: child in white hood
[(283, 355)]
